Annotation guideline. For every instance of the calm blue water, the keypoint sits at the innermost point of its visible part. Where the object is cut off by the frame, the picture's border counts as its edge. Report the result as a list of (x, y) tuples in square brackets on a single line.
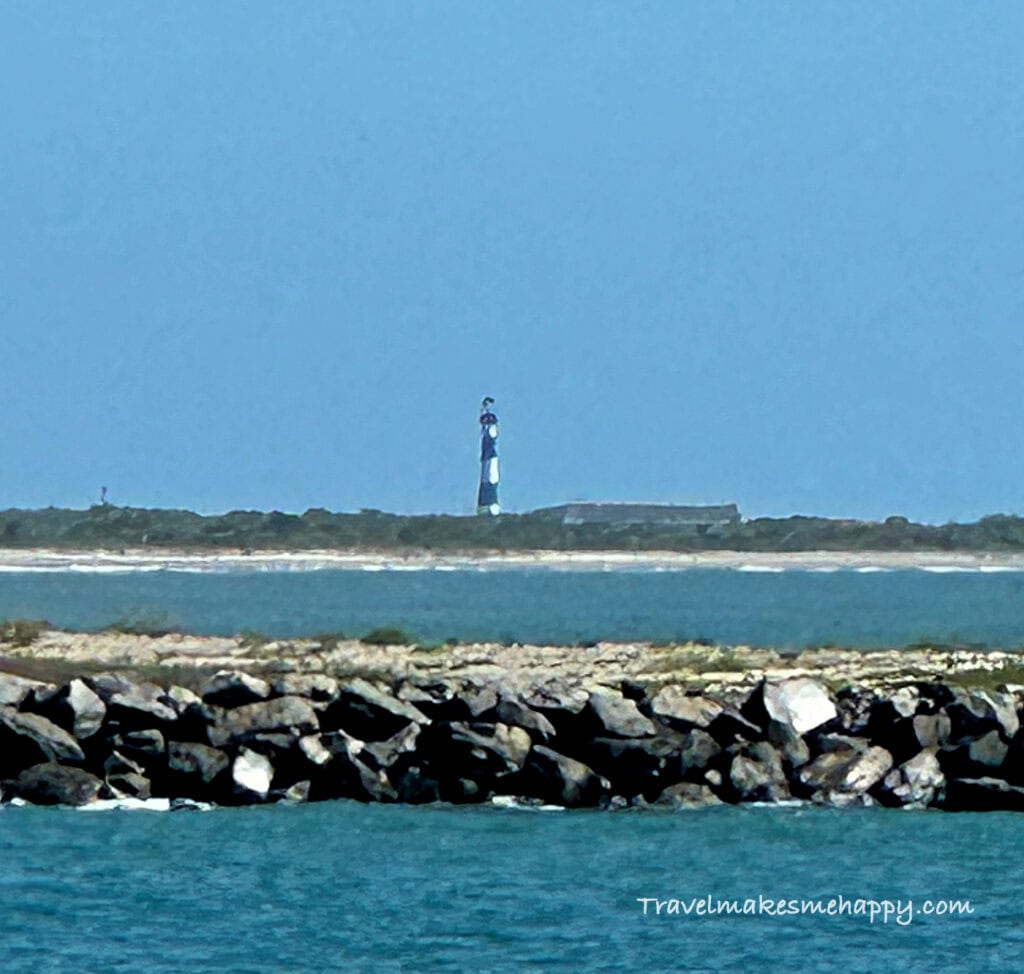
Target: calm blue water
[(344, 887), (789, 609)]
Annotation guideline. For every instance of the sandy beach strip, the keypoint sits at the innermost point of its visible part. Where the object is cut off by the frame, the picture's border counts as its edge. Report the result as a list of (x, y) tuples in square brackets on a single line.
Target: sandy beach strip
[(143, 560)]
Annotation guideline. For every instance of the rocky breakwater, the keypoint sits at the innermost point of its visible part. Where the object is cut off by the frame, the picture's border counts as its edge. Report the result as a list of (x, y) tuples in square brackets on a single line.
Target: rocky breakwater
[(239, 738)]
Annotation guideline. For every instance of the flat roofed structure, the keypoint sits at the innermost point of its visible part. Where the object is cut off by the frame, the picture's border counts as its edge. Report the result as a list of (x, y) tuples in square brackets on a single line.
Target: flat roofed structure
[(654, 514)]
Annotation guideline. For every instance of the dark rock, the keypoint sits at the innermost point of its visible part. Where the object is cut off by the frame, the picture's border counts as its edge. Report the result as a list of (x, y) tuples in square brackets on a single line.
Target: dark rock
[(130, 785), (699, 749), (416, 787), (989, 750), (50, 783), (141, 745), (516, 714), (482, 752), (347, 775), (638, 765), (829, 742), (792, 747), (116, 763), (687, 794), (369, 713), (756, 774), (440, 701), (384, 754), (615, 716), (973, 714), (290, 715), (199, 764), (29, 739), (837, 777), (234, 689), (139, 707), (974, 758), (730, 727), (317, 687), (982, 795), (853, 710), (560, 780), (673, 706)]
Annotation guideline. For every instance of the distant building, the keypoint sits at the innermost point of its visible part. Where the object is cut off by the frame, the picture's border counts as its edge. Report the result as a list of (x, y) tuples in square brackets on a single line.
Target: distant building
[(667, 515)]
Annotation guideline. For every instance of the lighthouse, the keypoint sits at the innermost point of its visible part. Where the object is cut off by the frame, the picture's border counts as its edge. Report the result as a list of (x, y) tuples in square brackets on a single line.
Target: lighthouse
[(487, 498)]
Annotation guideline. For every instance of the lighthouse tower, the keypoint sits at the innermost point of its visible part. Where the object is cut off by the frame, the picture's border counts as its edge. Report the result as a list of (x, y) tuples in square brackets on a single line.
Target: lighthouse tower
[(487, 498)]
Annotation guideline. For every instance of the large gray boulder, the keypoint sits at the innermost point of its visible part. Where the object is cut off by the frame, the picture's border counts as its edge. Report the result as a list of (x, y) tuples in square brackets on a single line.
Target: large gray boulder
[(15, 689), (87, 709), (919, 781), (294, 716), (140, 706), (617, 716), (514, 712), (555, 697), (802, 703), (29, 739), (49, 783), (75, 706), (672, 705), (252, 774)]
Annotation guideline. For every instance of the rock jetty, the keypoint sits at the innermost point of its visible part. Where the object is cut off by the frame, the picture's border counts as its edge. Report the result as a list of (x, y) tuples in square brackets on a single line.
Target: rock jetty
[(770, 730)]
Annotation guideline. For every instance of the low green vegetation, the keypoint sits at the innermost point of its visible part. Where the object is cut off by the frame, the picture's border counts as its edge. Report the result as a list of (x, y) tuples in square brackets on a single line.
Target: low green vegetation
[(22, 632), (252, 639), (388, 636), (148, 623), (113, 528)]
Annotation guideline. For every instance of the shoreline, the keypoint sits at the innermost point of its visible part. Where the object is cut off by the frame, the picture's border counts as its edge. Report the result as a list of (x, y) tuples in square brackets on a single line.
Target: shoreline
[(144, 559)]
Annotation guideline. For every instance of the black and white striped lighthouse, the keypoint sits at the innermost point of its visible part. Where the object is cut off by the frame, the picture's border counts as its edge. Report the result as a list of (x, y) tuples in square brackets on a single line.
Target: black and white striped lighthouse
[(487, 498)]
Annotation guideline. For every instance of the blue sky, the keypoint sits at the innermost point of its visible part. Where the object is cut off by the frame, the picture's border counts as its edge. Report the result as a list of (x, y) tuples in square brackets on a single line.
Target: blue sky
[(271, 255)]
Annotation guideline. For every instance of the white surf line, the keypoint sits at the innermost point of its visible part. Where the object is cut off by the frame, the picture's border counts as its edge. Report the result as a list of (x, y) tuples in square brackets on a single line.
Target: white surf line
[(96, 561)]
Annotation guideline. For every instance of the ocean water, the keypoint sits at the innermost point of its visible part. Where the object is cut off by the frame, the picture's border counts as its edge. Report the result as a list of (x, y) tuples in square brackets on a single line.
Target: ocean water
[(790, 609), (346, 887)]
